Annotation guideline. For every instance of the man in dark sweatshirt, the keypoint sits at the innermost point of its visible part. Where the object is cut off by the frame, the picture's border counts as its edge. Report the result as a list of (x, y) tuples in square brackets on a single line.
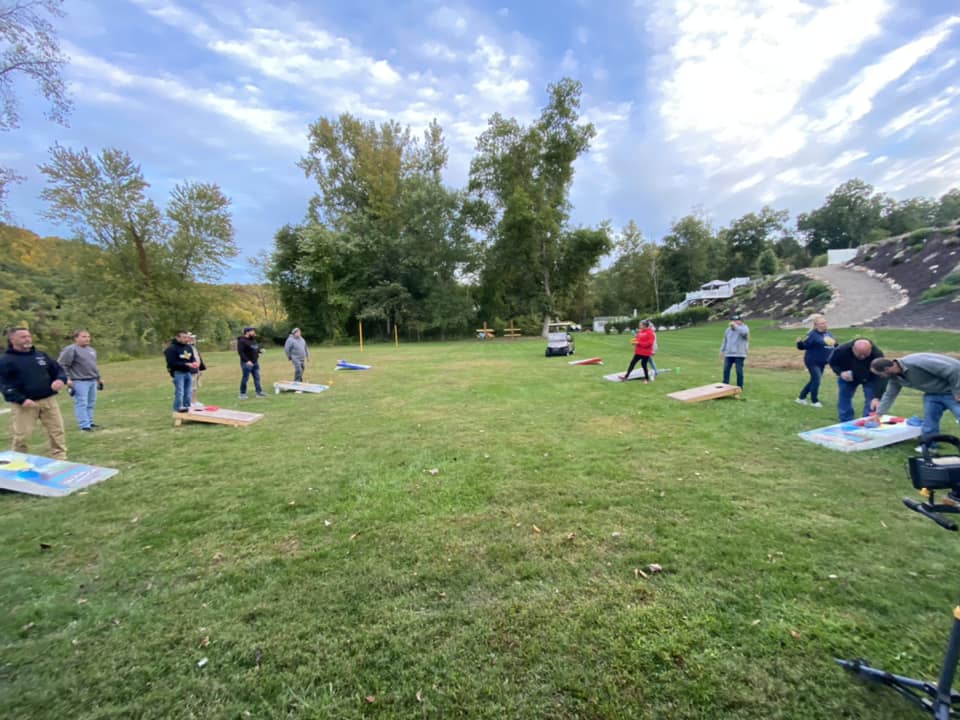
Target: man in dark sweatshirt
[(851, 362), (30, 380), (181, 362), (249, 351)]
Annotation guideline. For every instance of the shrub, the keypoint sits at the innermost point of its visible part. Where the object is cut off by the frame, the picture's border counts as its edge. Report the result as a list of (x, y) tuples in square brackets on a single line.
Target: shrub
[(814, 289), (952, 279), (938, 292), (819, 261)]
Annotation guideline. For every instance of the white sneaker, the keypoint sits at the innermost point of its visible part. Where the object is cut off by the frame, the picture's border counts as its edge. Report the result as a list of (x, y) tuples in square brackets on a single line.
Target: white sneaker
[(919, 449), (816, 404), (800, 401)]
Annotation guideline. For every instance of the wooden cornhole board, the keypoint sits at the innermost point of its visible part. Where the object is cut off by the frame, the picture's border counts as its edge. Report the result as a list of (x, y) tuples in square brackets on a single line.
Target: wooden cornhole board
[(36, 475), (293, 386), (705, 392), (850, 437), (217, 417)]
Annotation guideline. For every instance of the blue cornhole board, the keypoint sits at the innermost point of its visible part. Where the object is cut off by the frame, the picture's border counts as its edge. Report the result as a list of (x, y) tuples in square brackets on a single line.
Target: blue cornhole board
[(344, 365), (36, 475), (849, 437)]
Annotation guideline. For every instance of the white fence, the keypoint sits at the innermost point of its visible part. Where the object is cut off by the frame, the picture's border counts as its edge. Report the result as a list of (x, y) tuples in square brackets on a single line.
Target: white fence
[(716, 292)]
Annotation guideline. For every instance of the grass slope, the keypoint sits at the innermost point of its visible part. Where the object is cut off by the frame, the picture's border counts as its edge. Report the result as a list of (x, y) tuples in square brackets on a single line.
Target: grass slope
[(457, 534)]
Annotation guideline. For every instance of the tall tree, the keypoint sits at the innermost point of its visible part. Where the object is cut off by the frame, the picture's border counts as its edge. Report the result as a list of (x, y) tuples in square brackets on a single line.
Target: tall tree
[(29, 48), (691, 254), (948, 209), (523, 176), (851, 216), (747, 238)]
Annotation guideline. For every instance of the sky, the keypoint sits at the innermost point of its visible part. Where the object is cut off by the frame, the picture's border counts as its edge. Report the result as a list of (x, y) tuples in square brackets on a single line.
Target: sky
[(713, 106)]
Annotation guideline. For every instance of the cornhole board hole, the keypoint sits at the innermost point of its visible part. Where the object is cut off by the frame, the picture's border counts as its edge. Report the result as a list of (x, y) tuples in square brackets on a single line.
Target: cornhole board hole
[(850, 437), (217, 417), (36, 475), (615, 377), (588, 361), (298, 387), (705, 392)]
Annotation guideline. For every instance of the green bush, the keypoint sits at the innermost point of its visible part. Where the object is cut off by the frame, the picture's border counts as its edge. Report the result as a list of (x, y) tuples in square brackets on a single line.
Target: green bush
[(952, 279), (939, 292), (690, 316), (815, 289), (819, 261)]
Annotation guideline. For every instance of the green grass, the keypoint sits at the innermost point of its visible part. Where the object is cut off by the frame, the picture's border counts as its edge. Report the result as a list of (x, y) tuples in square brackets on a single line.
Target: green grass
[(315, 560)]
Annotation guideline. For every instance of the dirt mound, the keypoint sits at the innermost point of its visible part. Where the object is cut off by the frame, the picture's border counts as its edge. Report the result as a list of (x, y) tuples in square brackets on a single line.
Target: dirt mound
[(787, 299)]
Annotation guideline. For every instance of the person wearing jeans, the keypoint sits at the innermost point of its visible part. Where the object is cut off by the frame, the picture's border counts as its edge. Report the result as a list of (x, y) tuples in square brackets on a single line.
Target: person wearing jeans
[(79, 361), (937, 376), (734, 348), (817, 347), (851, 362), (249, 351), (297, 352), (180, 363)]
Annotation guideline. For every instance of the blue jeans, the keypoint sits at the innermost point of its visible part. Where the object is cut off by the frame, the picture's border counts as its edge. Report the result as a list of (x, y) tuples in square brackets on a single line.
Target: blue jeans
[(933, 407), (813, 386), (729, 362), (297, 369), (84, 400), (247, 372), (182, 390), (846, 391)]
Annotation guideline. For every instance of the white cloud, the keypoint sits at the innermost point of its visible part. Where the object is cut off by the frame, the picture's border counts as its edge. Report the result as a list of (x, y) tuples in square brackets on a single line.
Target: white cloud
[(928, 113)]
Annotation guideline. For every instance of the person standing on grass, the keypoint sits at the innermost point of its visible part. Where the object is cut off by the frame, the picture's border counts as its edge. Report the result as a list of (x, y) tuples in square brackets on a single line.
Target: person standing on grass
[(30, 380), (817, 347), (643, 344), (181, 363), (936, 376), (249, 351), (851, 362), (734, 348), (195, 374), (79, 362), (297, 352)]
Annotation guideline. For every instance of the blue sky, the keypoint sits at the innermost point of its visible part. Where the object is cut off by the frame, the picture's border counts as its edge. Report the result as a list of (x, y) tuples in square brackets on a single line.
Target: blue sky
[(716, 105)]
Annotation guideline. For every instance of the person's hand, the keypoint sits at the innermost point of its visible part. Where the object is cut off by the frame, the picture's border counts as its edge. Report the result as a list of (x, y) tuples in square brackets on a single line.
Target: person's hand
[(722, 357), (27, 403), (195, 365), (874, 404), (99, 384), (847, 375), (249, 364), (56, 385)]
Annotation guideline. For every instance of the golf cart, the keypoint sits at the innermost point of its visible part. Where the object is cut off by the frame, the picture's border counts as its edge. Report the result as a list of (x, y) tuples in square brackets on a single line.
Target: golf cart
[(559, 340)]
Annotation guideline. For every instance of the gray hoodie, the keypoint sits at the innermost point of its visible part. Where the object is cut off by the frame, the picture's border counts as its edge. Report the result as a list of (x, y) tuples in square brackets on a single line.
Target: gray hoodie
[(296, 348), (930, 373), (736, 341)]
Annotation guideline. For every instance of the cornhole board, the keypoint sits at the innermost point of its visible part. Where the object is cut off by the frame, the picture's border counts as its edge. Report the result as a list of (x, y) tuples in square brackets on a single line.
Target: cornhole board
[(850, 437), (217, 417), (705, 392), (36, 475), (615, 377), (588, 361), (4, 410), (293, 386), (344, 365)]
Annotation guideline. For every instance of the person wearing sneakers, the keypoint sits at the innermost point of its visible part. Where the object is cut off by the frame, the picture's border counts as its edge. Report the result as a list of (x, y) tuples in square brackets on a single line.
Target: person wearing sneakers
[(181, 363), (79, 361), (817, 346), (249, 350), (936, 376), (643, 344), (734, 348), (851, 363)]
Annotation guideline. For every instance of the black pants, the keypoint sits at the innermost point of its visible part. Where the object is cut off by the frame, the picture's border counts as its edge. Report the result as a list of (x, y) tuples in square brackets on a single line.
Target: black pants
[(644, 359)]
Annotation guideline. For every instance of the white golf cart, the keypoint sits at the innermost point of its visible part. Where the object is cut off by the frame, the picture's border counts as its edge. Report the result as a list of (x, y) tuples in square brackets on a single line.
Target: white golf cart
[(559, 340)]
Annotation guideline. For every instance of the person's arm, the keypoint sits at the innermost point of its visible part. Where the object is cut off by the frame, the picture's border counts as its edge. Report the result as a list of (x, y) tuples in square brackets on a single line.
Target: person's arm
[(836, 358), (287, 347), (57, 375), (67, 356), (889, 396), (8, 386)]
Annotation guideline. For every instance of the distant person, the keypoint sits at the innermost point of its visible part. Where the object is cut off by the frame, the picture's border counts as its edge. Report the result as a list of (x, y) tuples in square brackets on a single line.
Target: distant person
[(30, 380), (197, 372), (643, 344), (936, 376), (851, 362), (818, 345), (181, 362), (249, 351), (734, 348), (297, 352)]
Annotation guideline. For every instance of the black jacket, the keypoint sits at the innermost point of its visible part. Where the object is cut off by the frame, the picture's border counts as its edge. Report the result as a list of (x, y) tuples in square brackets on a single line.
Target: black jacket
[(179, 356), (28, 375), (843, 359), (248, 349)]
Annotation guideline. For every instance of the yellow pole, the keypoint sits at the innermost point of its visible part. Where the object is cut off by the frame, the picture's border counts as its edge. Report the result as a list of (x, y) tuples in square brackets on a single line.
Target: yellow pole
[(361, 336), (396, 339)]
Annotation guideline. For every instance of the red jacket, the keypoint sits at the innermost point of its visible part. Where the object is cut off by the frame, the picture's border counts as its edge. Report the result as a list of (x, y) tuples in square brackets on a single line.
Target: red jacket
[(644, 342)]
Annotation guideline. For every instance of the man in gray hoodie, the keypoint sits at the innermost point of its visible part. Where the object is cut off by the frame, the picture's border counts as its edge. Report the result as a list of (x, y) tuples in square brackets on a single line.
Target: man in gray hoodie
[(297, 352), (936, 376), (733, 349)]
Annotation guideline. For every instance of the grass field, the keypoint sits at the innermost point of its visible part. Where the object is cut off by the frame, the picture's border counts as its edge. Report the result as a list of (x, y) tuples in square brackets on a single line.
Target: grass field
[(460, 533)]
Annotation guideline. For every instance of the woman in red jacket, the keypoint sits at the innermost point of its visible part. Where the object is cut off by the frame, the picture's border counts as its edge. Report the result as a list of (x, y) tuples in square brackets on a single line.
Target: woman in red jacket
[(643, 344)]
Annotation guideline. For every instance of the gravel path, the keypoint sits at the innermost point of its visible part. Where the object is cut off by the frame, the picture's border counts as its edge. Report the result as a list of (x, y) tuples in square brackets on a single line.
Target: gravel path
[(858, 298)]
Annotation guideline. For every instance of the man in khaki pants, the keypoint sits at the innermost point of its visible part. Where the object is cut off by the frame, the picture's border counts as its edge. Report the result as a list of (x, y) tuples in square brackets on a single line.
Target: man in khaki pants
[(30, 380)]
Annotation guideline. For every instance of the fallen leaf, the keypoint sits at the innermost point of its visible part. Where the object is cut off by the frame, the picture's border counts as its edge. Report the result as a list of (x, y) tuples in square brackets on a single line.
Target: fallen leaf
[(755, 622), (638, 573), (257, 656), (202, 662), (204, 641), (292, 503), (419, 695), (28, 627), (82, 601), (443, 595), (794, 634), (116, 621), (571, 537), (371, 699), (653, 568), (354, 535), (218, 557), (327, 523), (616, 533), (537, 530), (45, 546), (135, 520), (434, 471)]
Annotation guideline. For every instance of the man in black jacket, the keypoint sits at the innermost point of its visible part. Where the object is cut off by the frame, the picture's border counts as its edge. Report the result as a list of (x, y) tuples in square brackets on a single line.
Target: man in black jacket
[(851, 362), (30, 380), (249, 351), (181, 362)]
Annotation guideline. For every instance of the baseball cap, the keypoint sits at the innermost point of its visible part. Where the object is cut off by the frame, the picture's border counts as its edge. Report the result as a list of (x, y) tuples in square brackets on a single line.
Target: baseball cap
[(248, 329), (736, 316)]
